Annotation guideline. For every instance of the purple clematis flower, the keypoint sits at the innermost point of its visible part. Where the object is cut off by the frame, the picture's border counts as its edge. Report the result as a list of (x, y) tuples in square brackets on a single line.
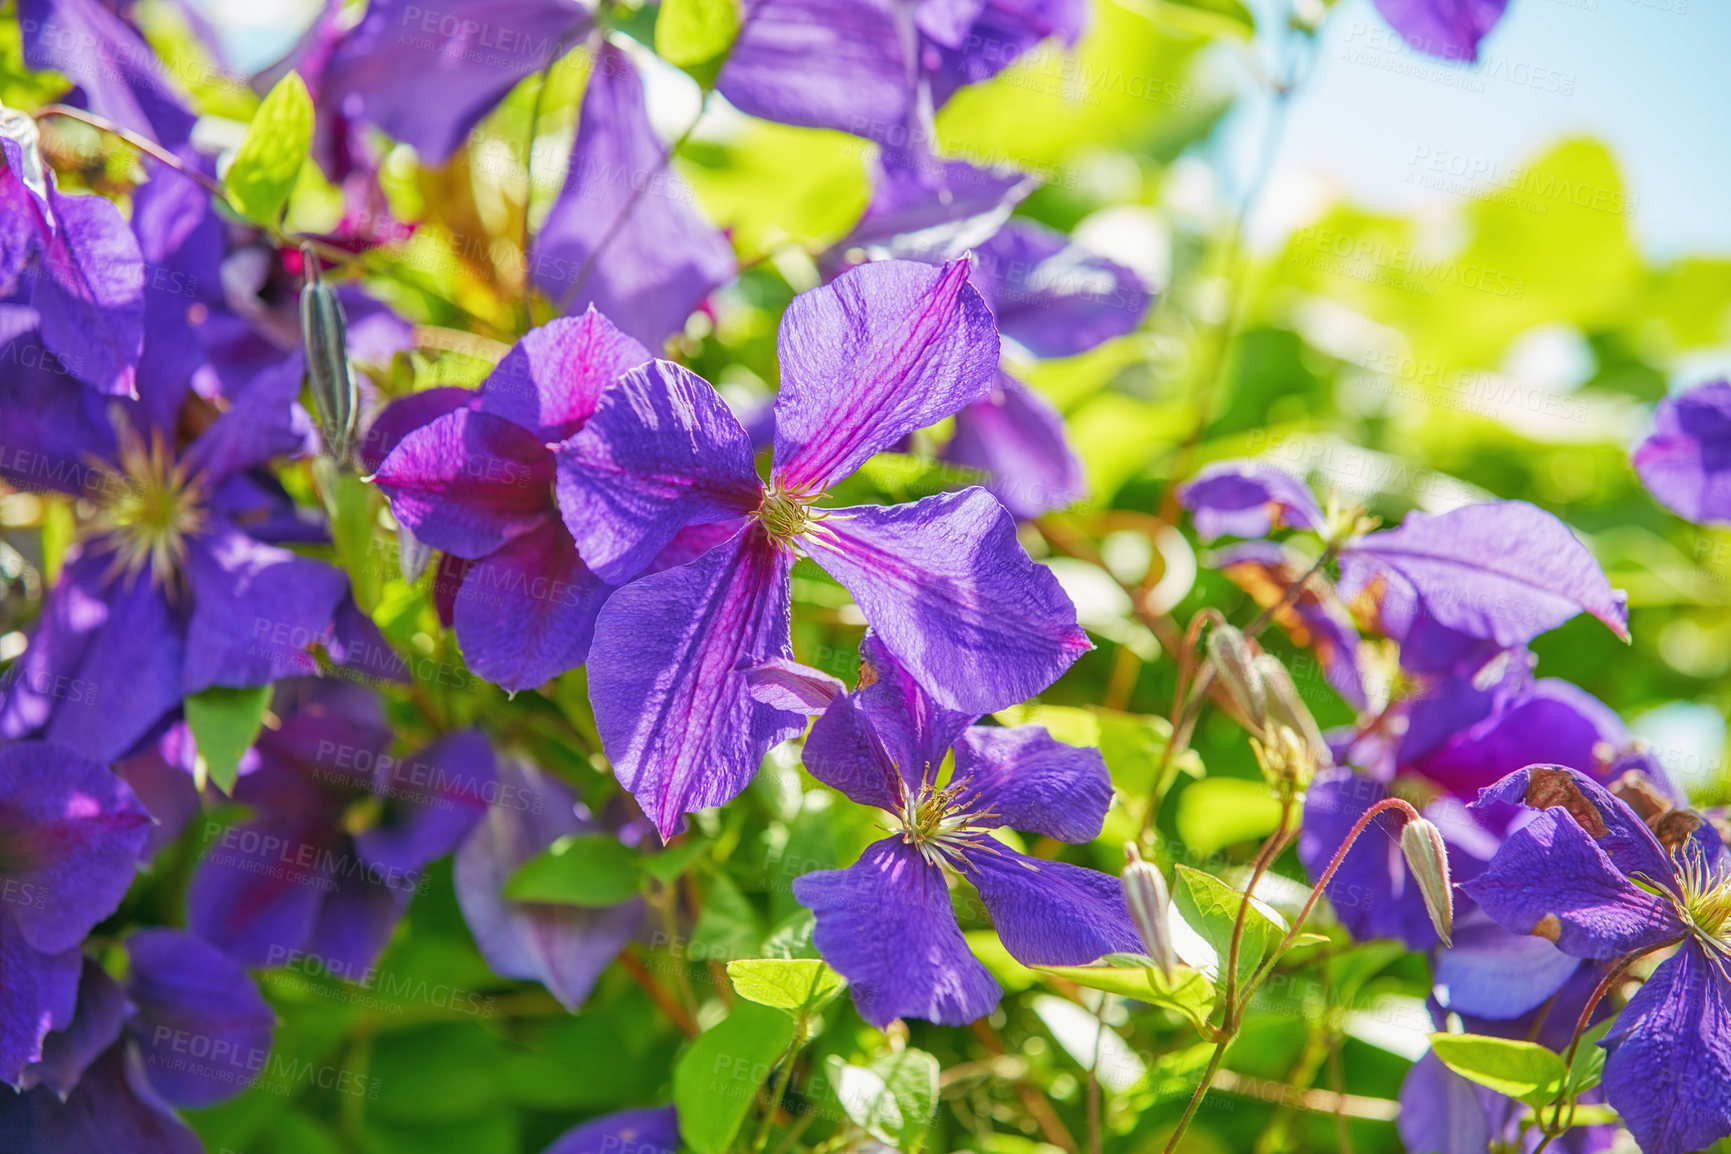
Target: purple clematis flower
[(886, 923), (1588, 873), (169, 594), (71, 835), (1686, 461), (69, 267), (111, 1079), (563, 947), (886, 349), (1448, 29), (471, 473), (651, 1131), (1017, 438), (625, 235), (341, 832), (868, 66)]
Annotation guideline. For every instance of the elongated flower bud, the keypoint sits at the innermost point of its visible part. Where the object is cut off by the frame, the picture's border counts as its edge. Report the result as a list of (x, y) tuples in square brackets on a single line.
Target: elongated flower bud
[(324, 341), (1427, 860), (1286, 708), (1150, 908), (1235, 666)]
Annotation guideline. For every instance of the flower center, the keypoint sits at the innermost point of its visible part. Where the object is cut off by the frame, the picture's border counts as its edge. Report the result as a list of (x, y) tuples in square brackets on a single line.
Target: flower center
[(1705, 904), (938, 824), (148, 509), (787, 513)]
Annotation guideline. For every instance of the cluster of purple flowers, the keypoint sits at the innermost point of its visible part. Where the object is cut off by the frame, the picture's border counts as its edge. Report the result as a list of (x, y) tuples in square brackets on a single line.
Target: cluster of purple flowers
[(601, 507)]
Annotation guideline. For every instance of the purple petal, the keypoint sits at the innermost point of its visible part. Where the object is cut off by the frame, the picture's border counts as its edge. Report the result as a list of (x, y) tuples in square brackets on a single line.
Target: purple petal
[(625, 235), (1631, 846), (526, 611), (1505, 570), (95, 1026), (932, 210), (428, 75), (1051, 913), (1054, 298), (885, 349), (1248, 499), (264, 422), (103, 665), (551, 379), (41, 995), (432, 799), (202, 1027), (1554, 722), (662, 452), (886, 925), (53, 425), (1461, 699), (406, 414), (1015, 435), (564, 947), (1491, 973), (1668, 1058), (91, 296), (1000, 35), (885, 741), (1447, 29), (73, 834), (838, 64), (675, 713), (1441, 1112), (1552, 879), (789, 685), (468, 482), (357, 917), (113, 1108), (953, 596), (1686, 461), (256, 610), (652, 1131), (1030, 781), (258, 889), (120, 74)]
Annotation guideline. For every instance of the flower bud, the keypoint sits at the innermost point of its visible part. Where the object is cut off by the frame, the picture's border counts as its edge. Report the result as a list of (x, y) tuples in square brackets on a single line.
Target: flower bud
[(324, 342), (1234, 664), (1427, 860), (1286, 708), (1150, 908)]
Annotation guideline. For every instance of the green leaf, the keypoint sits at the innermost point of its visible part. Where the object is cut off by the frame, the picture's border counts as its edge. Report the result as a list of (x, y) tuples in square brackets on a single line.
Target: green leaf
[(1187, 992), (1208, 17), (224, 723), (1589, 1062), (587, 869), (1523, 1070), (1220, 811), (269, 159), (729, 926), (1210, 906), (715, 1080), (797, 985), (891, 1098), (689, 32)]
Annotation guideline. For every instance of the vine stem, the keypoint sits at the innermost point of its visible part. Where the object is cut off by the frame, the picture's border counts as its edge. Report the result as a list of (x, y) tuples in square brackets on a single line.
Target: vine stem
[(1264, 858), (1229, 1025), (1293, 591), (143, 143), (782, 1079)]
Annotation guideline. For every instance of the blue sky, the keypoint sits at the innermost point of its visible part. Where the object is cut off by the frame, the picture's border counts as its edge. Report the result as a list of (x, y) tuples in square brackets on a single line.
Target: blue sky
[(1648, 77)]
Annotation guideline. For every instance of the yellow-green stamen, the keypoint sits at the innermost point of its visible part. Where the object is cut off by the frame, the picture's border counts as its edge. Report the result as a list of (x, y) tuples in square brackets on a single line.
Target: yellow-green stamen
[(147, 510)]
